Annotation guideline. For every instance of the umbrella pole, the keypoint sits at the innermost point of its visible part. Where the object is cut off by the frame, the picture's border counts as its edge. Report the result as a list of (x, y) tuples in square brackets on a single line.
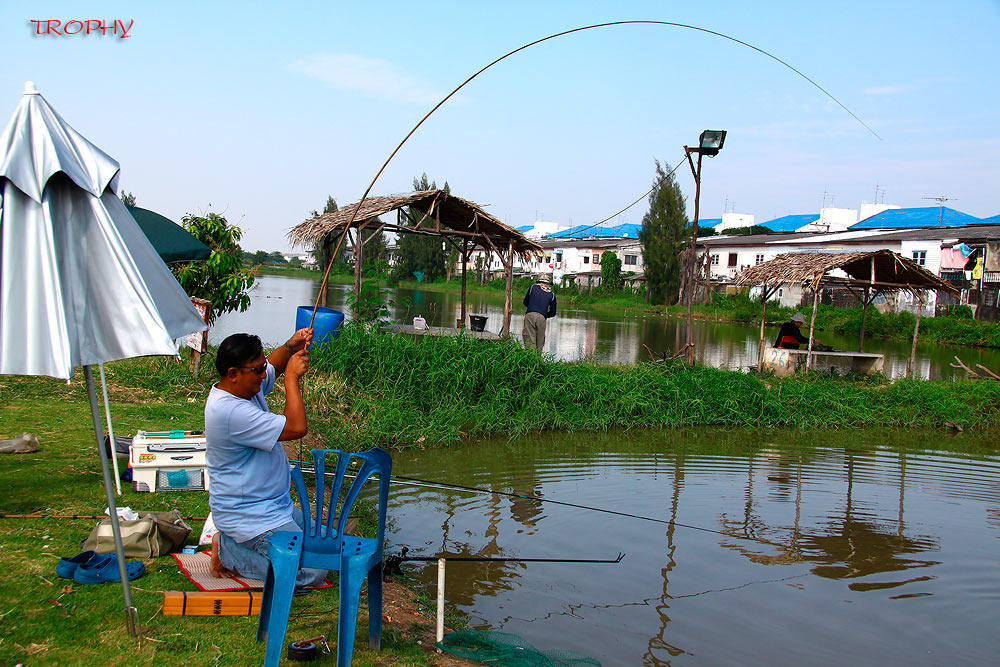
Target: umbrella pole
[(111, 430), (131, 614)]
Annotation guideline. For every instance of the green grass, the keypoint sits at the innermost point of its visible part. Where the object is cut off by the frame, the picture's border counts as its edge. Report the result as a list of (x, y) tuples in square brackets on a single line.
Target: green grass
[(399, 391), (45, 620), (315, 274)]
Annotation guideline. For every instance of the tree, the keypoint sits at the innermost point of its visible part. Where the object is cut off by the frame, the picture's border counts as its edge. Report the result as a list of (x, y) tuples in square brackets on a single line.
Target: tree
[(611, 272), (324, 248), (662, 237), (222, 278), (128, 199), (418, 252)]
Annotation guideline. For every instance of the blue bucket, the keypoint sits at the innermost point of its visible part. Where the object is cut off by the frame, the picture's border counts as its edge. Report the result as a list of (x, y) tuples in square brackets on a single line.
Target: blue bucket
[(326, 326)]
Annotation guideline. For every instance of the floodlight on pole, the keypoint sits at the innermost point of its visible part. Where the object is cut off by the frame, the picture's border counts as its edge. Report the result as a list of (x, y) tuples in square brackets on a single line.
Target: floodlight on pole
[(709, 143)]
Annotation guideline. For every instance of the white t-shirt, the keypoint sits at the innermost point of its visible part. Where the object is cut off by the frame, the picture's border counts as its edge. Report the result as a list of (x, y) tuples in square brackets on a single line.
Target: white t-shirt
[(247, 465)]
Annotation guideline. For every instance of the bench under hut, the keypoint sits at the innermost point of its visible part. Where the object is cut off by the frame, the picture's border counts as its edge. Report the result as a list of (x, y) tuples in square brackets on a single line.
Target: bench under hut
[(864, 274), (462, 223)]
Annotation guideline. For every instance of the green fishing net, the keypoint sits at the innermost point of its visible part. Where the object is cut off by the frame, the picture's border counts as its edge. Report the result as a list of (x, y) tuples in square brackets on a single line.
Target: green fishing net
[(509, 650)]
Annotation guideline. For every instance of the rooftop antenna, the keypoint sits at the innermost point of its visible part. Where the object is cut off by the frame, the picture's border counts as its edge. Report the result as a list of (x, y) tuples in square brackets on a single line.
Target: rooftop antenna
[(829, 195), (877, 191), (941, 201)]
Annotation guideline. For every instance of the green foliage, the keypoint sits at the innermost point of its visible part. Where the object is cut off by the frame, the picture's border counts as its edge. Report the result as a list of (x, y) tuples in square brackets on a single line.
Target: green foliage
[(955, 327), (373, 303), (747, 231), (324, 248), (400, 390), (611, 272), (222, 278), (662, 237), (418, 252), (128, 198)]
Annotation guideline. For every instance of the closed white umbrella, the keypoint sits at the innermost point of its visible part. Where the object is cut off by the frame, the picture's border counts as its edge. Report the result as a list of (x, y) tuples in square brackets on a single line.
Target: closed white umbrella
[(80, 284)]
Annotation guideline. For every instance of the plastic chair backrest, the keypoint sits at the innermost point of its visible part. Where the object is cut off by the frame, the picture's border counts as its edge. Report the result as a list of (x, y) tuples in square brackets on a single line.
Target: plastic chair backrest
[(320, 534)]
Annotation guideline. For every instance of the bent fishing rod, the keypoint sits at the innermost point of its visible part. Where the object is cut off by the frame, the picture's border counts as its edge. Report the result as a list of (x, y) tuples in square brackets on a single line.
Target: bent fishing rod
[(672, 24)]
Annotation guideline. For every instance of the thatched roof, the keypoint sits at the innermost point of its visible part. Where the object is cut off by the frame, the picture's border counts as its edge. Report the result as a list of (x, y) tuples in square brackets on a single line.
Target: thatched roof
[(892, 271), (447, 215)]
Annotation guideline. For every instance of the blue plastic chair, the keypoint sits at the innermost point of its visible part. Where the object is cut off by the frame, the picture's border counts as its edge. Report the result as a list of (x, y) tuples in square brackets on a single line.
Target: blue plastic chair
[(323, 545)]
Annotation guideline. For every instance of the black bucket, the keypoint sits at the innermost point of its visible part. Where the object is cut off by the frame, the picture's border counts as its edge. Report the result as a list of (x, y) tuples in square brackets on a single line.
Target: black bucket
[(477, 322)]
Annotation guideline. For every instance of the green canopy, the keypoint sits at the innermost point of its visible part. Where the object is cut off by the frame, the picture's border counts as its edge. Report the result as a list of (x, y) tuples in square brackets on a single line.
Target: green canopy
[(171, 242)]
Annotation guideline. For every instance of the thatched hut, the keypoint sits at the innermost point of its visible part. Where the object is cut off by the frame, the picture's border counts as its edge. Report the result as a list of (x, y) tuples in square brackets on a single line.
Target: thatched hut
[(461, 222), (863, 274)]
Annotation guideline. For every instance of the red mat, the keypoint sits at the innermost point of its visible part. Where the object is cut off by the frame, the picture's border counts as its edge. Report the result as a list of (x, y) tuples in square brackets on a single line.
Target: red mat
[(195, 567)]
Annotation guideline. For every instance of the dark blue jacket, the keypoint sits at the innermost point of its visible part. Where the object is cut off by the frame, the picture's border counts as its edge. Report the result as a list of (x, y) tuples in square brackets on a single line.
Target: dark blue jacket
[(538, 300)]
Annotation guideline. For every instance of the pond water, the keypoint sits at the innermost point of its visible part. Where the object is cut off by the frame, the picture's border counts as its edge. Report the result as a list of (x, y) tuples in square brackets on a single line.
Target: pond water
[(767, 548), (599, 335)]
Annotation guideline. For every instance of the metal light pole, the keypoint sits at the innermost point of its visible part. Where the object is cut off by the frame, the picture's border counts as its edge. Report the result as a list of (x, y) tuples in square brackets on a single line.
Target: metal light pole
[(709, 143)]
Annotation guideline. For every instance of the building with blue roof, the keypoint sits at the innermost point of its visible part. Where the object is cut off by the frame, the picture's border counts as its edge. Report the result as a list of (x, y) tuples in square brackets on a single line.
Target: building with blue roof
[(709, 222), (789, 223), (627, 230), (914, 218), (992, 220)]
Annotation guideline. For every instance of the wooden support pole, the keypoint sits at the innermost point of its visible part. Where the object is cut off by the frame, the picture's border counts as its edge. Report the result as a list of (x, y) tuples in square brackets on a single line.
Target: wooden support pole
[(694, 248), (812, 328), (325, 255), (864, 315), (911, 364), (763, 318), (357, 275), (508, 292), (465, 269)]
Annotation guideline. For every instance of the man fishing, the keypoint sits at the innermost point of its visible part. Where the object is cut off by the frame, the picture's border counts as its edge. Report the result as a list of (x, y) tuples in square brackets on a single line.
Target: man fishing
[(541, 304), (247, 465), (789, 336)]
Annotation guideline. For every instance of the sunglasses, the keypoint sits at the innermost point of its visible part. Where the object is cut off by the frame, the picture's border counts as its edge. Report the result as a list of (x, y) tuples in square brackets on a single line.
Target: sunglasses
[(259, 370)]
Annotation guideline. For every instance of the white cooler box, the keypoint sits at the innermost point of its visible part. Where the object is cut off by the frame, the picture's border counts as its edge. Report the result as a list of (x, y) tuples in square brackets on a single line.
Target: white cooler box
[(169, 461)]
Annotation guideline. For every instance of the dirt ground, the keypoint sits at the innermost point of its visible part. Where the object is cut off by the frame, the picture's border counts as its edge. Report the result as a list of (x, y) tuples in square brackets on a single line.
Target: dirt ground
[(399, 610)]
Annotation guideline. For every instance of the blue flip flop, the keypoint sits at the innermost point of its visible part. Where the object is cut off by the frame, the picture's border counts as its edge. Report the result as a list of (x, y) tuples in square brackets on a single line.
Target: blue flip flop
[(67, 565), (104, 567)]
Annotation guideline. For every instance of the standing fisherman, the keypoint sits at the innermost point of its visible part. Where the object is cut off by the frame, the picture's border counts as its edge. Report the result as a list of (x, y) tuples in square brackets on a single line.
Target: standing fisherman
[(541, 304)]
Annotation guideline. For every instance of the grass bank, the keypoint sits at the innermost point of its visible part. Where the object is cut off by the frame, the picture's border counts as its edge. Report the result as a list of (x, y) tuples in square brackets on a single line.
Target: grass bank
[(45, 620), (955, 328), (315, 274), (373, 388), (567, 297)]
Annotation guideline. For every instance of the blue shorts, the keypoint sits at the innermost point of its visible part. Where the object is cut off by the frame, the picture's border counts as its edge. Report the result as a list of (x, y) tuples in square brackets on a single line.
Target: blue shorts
[(249, 559)]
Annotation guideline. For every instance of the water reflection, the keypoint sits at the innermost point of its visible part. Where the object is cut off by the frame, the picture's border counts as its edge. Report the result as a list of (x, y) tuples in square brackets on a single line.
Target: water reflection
[(575, 334), (854, 544), (763, 537)]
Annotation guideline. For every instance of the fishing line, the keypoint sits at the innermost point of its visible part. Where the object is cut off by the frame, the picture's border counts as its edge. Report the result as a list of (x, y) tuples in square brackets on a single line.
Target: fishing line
[(655, 185), (354, 215), (414, 481)]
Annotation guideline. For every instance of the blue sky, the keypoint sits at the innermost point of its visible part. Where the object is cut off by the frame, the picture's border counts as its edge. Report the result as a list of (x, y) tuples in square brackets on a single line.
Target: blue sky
[(260, 110)]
